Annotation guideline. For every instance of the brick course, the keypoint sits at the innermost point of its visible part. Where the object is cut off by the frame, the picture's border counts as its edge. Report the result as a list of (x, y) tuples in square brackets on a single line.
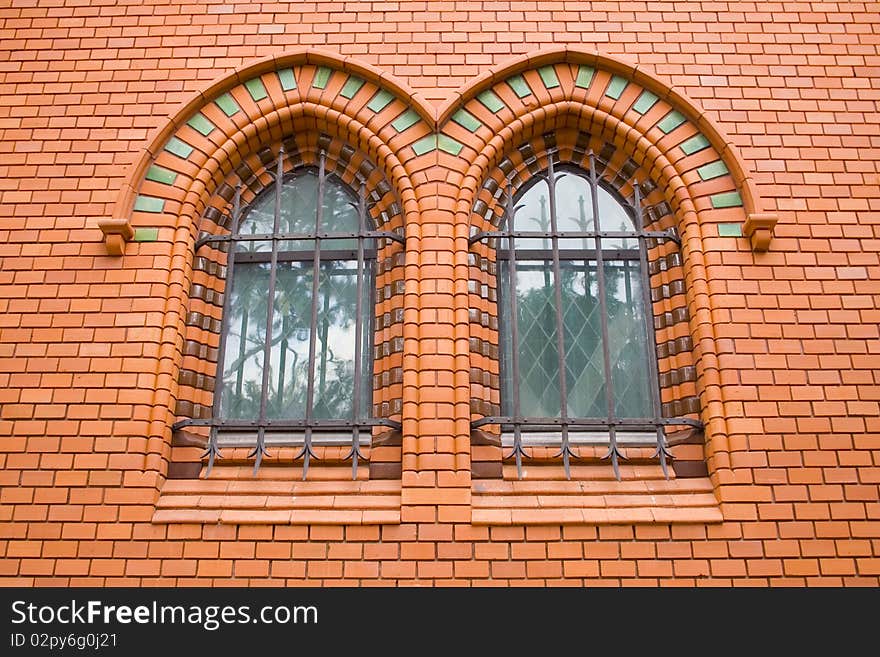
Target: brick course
[(88, 354)]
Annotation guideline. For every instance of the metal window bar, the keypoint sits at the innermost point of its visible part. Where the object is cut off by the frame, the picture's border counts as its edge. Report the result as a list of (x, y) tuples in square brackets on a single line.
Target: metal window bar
[(611, 423), (614, 452), (308, 424)]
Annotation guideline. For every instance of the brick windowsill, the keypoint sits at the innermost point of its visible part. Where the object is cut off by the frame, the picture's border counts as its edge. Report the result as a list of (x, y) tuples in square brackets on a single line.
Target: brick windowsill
[(652, 501), (279, 502)]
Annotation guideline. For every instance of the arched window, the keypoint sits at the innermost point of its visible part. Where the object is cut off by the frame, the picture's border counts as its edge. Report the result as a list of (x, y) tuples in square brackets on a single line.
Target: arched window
[(295, 355), (578, 354)]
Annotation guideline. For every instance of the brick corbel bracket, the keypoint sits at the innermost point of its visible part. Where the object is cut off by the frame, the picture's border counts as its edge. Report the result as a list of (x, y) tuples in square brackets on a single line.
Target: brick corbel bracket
[(758, 228), (116, 233)]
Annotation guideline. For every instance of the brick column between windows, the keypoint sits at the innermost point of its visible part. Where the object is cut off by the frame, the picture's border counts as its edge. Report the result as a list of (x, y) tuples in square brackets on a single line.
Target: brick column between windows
[(436, 412)]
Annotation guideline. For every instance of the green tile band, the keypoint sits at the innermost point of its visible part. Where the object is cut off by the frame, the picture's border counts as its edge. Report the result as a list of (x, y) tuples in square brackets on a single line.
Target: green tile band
[(491, 101), (161, 175), (548, 77), (256, 89), (179, 148), (694, 144), (380, 101), (146, 235), (730, 230), (405, 120), (449, 145), (351, 87), (287, 79), (466, 120), (149, 204), (584, 77), (519, 85), (726, 200), (200, 123), (322, 77), (616, 87), (645, 102), (425, 145), (671, 121), (227, 104), (712, 170)]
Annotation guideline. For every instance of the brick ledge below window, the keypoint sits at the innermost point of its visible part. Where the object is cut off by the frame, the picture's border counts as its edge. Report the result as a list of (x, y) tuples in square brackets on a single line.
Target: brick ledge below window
[(279, 502), (595, 502)]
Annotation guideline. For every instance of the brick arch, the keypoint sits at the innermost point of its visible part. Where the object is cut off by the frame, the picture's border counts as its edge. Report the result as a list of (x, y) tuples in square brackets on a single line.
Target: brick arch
[(520, 90), (702, 183), (356, 91), (204, 144)]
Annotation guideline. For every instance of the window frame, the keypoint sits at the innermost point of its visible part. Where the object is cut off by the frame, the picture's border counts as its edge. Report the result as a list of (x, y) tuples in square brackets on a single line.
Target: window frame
[(603, 430)]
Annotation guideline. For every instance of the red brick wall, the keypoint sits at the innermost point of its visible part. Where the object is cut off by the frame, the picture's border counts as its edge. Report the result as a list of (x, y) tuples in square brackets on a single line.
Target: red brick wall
[(793, 86)]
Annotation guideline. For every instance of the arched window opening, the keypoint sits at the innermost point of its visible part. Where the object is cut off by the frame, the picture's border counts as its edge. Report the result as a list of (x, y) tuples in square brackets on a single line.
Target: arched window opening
[(578, 358), (295, 357)]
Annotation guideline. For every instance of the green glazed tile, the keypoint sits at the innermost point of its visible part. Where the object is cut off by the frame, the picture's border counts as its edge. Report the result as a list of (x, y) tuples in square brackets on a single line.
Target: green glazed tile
[(466, 120), (149, 204), (712, 170), (616, 87), (322, 76), (201, 123), (380, 101), (161, 175), (730, 230), (256, 89), (146, 234), (425, 145), (726, 200), (584, 77), (519, 85), (179, 148), (645, 102), (491, 101), (449, 145), (351, 87), (671, 121), (548, 76), (694, 144), (287, 79), (227, 103), (405, 120)]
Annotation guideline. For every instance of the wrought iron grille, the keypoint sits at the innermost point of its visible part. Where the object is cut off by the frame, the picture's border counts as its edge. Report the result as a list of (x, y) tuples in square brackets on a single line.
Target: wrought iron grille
[(292, 254), (587, 256)]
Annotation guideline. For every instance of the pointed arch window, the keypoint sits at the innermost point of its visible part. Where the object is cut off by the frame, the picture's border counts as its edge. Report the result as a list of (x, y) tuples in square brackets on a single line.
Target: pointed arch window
[(295, 355), (577, 343)]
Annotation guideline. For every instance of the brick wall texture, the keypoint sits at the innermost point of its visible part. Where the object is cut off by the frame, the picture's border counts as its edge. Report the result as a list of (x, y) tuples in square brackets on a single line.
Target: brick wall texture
[(92, 345)]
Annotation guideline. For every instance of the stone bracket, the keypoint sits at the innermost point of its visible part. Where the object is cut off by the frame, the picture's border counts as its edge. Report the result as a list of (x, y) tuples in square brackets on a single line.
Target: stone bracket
[(116, 233), (759, 229)]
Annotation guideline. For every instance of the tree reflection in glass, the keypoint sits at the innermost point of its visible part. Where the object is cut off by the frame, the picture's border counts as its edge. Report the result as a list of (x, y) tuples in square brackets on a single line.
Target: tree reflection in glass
[(291, 326), (581, 317)]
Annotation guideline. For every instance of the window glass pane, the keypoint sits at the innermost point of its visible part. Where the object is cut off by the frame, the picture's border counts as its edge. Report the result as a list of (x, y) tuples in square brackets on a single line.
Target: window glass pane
[(574, 204), (582, 316), (533, 214), (612, 217), (334, 364), (538, 378), (299, 196), (538, 356), (584, 365), (628, 341), (245, 341), (288, 370)]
